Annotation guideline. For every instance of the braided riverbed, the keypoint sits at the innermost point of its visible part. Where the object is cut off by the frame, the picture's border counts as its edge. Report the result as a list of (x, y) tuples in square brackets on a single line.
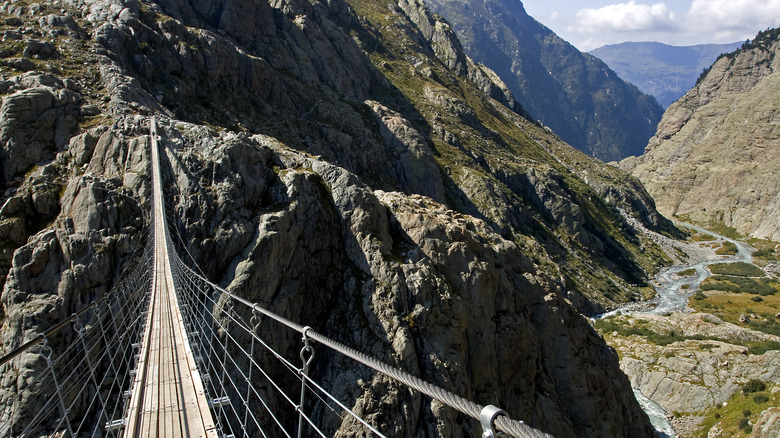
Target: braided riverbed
[(672, 294)]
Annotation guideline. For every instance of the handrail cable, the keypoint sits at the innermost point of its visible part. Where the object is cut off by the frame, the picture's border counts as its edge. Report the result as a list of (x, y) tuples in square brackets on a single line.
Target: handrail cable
[(512, 427)]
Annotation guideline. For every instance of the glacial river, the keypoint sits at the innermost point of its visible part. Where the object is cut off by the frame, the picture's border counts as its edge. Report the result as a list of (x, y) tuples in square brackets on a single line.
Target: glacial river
[(673, 297)]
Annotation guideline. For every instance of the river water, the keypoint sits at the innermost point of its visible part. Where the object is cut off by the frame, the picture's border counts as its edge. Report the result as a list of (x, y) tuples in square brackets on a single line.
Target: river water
[(673, 297), (657, 414)]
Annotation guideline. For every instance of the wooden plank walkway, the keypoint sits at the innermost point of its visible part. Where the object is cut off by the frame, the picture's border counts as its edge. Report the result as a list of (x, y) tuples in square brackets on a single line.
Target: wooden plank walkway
[(167, 397)]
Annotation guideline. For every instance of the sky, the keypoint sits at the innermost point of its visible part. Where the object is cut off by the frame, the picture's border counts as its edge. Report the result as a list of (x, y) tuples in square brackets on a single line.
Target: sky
[(588, 24)]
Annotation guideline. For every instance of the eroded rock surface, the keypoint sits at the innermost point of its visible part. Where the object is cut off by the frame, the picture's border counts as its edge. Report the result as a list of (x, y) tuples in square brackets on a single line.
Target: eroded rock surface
[(694, 375)]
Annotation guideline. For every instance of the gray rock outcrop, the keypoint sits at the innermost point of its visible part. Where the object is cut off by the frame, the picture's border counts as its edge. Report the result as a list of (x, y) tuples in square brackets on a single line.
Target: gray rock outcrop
[(35, 122), (694, 375), (768, 424)]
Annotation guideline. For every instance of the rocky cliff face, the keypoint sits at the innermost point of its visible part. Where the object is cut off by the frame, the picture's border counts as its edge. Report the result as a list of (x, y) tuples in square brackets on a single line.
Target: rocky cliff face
[(715, 155), (701, 377), (345, 164), (575, 94)]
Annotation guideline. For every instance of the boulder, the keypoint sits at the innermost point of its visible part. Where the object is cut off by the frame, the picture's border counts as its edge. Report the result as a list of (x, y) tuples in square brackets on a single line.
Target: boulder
[(33, 123), (768, 424)]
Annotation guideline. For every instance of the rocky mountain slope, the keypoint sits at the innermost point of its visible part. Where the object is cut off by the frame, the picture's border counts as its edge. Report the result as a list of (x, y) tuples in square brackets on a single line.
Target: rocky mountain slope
[(660, 70), (575, 94), (344, 163), (715, 155)]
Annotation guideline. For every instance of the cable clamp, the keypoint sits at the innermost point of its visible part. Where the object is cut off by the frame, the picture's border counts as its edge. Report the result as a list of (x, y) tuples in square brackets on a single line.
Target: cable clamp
[(486, 418), (306, 350)]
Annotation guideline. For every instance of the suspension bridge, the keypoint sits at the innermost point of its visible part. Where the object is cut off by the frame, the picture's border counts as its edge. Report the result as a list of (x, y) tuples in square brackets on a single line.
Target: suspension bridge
[(166, 353)]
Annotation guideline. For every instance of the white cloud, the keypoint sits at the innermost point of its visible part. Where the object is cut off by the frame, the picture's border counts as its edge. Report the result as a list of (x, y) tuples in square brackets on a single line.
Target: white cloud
[(734, 15), (625, 18), (706, 21)]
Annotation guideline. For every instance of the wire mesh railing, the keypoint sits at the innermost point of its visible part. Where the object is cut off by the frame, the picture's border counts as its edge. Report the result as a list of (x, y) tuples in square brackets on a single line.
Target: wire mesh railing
[(249, 383), (73, 377), (244, 387)]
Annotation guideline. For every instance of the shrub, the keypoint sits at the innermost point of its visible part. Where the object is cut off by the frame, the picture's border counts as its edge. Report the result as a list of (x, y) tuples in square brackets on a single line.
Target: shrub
[(754, 385), (746, 413), (761, 348), (766, 254), (699, 295), (757, 299), (760, 398)]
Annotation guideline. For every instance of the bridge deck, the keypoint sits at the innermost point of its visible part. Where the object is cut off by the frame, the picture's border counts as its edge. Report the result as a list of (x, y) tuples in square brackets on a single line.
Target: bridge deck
[(167, 398)]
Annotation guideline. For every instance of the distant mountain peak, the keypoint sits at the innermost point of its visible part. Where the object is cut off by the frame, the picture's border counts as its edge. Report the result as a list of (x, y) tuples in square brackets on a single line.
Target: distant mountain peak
[(663, 71), (714, 157)]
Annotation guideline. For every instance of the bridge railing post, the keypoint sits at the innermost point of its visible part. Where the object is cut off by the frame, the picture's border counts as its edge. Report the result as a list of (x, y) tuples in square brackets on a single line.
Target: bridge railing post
[(254, 322)]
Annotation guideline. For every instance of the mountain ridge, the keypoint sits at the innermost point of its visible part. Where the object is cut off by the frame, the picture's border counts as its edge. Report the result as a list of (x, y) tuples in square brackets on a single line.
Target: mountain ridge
[(712, 158)]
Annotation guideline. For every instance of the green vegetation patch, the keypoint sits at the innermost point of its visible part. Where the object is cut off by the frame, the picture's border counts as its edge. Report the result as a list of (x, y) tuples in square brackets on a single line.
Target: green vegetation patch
[(760, 348), (754, 385), (739, 269), (769, 254), (756, 286), (699, 295), (766, 250), (740, 412), (623, 328), (728, 248), (729, 307), (702, 237), (687, 273)]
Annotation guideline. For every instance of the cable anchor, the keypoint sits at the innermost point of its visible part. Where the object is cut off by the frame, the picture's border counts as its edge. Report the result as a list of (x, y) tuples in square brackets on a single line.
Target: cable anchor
[(306, 349)]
